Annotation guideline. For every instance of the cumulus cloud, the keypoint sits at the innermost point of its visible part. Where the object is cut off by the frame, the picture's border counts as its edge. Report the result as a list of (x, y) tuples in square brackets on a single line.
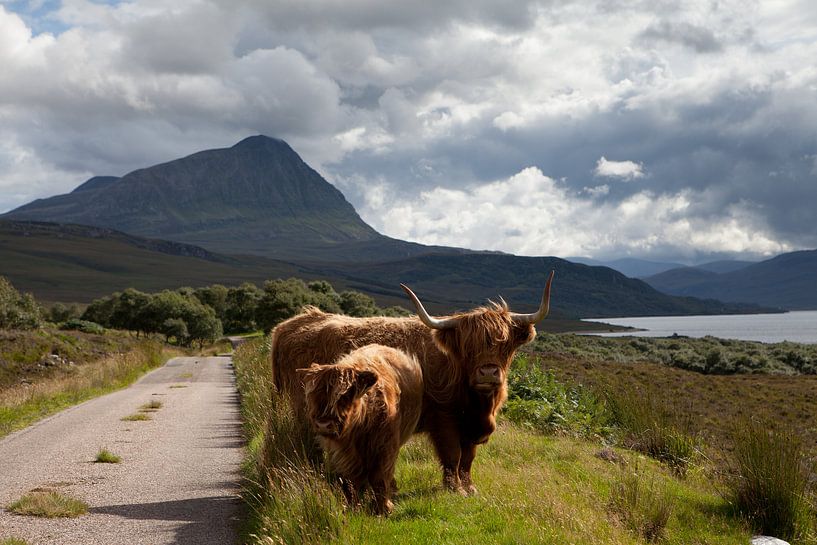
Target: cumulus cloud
[(533, 214), (624, 170), (697, 101)]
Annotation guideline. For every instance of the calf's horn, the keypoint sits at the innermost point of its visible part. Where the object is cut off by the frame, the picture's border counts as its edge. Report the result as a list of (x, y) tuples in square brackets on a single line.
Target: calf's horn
[(544, 307), (433, 323)]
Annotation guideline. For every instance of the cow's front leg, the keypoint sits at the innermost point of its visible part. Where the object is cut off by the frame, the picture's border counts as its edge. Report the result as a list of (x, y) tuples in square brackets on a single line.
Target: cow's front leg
[(446, 441), (468, 452)]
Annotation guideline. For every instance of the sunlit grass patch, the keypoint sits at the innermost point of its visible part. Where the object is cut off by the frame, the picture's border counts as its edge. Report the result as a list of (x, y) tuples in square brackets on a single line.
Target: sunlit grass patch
[(49, 504), (152, 405), (643, 504), (184, 375), (135, 417), (172, 386), (13, 541), (104, 456)]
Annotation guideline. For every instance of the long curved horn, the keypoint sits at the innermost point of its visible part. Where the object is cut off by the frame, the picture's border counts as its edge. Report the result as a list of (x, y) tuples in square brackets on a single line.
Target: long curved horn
[(544, 307), (433, 323)]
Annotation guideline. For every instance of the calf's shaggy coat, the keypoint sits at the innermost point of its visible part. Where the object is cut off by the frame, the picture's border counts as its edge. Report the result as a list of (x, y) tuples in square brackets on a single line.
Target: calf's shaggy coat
[(363, 408)]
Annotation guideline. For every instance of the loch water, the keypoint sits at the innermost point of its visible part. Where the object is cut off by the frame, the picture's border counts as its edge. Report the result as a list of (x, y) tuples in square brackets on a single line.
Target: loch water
[(796, 326)]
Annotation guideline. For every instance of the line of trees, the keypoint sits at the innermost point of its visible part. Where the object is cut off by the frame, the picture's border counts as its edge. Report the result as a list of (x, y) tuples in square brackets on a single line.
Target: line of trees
[(200, 315)]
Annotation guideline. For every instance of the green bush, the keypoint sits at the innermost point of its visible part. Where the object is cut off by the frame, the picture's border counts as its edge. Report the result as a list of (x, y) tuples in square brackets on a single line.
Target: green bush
[(536, 400), (75, 324), (17, 311)]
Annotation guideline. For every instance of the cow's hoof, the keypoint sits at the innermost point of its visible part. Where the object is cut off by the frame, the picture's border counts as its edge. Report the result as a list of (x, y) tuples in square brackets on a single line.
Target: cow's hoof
[(469, 490)]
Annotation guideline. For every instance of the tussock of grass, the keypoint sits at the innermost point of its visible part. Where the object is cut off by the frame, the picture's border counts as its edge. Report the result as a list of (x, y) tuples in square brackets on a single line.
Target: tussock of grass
[(184, 375), (178, 386), (49, 504), (648, 428), (135, 417), (152, 405), (770, 485), (534, 488), (21, 406), (643, 504), (104, 456)]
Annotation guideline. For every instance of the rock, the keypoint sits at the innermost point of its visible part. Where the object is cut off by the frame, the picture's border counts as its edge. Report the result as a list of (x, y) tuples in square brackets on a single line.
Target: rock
[(766, 540)]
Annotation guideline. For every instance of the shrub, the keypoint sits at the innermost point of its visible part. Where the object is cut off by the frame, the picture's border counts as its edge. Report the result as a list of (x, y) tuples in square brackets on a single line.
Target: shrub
[(75, 324), (17, 311), (49, 504), (536, 400), (769, 485)]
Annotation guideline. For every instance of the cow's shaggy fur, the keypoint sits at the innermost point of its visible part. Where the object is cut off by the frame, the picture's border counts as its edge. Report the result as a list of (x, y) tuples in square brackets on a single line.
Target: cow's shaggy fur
[(363, 408), (464, 370)]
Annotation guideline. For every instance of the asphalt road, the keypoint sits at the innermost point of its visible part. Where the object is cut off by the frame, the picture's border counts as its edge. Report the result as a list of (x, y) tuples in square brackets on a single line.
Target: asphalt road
[(178, 479)]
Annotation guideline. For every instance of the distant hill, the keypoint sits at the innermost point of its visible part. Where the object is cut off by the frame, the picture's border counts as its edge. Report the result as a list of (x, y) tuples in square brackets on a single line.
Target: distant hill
[(79, 263), (256, 197), (787, 281), (629, 266), (724, 266)]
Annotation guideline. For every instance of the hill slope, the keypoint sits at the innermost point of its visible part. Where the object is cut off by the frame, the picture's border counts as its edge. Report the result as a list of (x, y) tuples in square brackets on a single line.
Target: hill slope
[(79, 263), (787, 281), (256, 197)]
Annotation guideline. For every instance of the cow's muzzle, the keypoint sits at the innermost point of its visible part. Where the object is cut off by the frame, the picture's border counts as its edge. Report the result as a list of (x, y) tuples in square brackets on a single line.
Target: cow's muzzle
[(488, 377), (327, 427)]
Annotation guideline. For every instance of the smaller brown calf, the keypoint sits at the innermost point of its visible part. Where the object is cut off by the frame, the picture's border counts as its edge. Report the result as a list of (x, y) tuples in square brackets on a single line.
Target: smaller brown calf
[(363, 408)]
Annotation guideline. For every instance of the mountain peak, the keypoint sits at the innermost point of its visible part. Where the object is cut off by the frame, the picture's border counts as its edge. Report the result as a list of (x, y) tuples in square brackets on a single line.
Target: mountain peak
[(261, 141)]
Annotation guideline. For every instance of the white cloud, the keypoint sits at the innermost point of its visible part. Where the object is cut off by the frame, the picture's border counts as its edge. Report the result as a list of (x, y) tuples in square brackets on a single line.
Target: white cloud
[(624, 170), (533, 214)]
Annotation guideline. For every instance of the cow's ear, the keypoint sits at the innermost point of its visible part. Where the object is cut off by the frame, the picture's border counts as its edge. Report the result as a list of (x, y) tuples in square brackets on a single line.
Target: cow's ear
[(363, 381), (447, 340)]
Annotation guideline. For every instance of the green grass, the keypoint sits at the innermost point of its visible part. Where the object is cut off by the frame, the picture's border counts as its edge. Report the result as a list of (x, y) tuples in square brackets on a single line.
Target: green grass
[(13, 541), (49, 504), (536, 484), (643, 504), (152, 405), (770, 484), (21, 406), (173, 386), (104, 456), (135, 417)]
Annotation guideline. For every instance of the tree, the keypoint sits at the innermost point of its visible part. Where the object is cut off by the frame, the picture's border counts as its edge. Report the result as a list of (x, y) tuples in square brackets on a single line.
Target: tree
[(129, 311), (59, 312), (355, 303), (176, 328), (202, 324), (239, 315), (17, 311), (101, 310), (214, 296)]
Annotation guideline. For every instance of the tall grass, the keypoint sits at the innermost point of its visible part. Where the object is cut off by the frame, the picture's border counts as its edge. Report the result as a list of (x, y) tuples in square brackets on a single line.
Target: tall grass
[(643, 503), (648, 427), (770, 485), (24, 404), (292, 500)]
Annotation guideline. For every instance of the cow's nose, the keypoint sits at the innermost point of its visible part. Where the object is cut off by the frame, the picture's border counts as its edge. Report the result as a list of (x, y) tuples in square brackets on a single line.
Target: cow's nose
[(489, 371), (324, 425)]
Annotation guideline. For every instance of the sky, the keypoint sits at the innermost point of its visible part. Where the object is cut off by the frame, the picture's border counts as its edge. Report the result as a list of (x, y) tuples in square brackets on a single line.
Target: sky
[(665, 130)]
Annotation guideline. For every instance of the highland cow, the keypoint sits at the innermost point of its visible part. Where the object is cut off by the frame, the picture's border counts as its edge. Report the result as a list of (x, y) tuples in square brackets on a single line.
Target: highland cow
[(464, 358), (363, 408)]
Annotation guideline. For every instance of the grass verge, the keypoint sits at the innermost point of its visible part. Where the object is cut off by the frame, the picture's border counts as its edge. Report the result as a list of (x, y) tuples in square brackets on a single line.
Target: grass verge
[(23, 405), (104, 456), (49, 504)]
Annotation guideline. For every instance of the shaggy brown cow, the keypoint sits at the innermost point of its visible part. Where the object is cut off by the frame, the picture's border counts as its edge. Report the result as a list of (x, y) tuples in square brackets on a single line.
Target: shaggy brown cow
[(363, 408), (464, 359)]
